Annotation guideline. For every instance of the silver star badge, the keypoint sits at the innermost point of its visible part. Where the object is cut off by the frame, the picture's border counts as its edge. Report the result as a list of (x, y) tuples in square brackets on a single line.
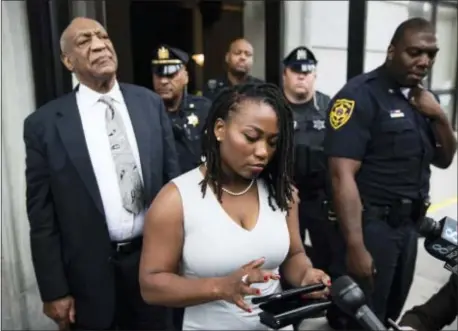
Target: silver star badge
[(193, 120), (318, 124)]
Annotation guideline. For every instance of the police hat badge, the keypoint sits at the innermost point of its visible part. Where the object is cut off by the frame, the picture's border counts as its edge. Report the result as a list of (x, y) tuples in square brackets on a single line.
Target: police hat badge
[(300, 59), (168, 60)]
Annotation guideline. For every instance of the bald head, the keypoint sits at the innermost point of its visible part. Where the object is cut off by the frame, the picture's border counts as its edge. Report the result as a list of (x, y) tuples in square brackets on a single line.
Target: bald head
[(75, 26), (240, 43), (88, 52), (239, 57)]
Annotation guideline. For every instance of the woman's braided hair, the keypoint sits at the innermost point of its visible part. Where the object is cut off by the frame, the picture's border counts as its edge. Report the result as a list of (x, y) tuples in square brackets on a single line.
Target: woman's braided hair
[(278, 173)]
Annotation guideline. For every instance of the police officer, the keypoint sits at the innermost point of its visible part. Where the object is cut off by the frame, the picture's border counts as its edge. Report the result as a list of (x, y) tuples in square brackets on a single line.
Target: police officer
[(239, 61), (384, 130), (186, 112), (309, 111)]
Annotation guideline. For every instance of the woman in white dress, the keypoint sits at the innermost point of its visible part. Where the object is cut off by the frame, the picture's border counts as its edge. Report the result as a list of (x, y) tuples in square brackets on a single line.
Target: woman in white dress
[(218, 235)]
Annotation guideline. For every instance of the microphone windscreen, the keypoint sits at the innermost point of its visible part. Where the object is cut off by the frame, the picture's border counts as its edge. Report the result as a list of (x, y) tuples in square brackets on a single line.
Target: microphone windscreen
[(340, 284)]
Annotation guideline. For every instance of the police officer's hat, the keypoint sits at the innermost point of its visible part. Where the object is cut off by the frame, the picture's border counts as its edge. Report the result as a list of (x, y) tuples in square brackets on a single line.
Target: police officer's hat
[(301, 59), (168, 60)]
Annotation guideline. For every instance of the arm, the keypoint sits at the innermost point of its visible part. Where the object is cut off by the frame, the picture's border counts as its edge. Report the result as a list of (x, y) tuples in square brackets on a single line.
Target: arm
[(170, 158), (428, 104), (445, 141), (345, 144), (161, 255), (297, 263), (346, 199), (45, 239), (439, 311)]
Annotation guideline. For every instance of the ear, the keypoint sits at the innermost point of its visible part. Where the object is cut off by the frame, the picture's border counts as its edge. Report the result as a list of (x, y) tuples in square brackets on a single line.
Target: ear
[(390, 53), (185, 77), (226, 58), (219, 129), (66, 61)]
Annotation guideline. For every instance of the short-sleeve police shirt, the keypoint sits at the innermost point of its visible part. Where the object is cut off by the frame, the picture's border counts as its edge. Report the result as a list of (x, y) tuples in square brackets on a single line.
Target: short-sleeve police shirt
[(188, 123), (372, 121)]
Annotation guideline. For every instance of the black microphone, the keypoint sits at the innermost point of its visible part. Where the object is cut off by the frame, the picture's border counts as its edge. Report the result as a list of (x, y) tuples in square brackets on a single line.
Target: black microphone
[(452, 267), (286, 308), (441, 240), (292, 316), (349, 297)]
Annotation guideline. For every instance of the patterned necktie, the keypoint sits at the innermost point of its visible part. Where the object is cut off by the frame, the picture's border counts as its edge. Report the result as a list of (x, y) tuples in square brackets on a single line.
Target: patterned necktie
[(128, 174)]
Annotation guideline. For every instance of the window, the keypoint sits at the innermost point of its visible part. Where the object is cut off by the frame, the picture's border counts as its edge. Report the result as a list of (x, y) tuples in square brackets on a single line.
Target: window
[(444, 70), (323, 27), (383, 17), (447, 104)]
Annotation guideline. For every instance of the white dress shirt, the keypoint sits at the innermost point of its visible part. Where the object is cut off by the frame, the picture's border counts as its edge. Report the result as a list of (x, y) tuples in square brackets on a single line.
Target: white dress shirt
[(122, 225)]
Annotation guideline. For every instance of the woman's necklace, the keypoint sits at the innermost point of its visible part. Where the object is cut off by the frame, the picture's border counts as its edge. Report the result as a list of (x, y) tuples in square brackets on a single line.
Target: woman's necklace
[(241, 192)]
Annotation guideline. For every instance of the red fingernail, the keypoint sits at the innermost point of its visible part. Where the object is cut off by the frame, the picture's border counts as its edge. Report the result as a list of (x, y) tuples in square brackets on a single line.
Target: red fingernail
[(249, 310), (258, 291), (329, 282), (266, 277)]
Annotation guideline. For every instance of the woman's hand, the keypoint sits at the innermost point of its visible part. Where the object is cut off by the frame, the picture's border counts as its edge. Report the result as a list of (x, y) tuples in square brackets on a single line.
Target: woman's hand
[(237, 285), (316, 276)]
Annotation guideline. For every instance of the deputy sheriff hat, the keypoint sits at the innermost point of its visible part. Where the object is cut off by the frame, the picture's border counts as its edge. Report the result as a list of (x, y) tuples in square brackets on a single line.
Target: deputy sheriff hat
[(300, 59), (168, 60)]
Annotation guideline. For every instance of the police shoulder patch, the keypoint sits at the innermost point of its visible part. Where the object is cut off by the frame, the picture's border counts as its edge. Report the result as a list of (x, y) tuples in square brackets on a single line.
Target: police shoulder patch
[(340, 113)]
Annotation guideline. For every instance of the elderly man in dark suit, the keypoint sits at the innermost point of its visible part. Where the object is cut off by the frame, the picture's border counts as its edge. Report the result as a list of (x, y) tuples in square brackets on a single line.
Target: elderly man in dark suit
[(96, 158)]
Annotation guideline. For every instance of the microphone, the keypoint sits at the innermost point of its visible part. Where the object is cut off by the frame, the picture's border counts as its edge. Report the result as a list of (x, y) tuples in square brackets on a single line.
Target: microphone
[(349, 297), (441, 240), (286, 308), (452, 267), (292, 316)]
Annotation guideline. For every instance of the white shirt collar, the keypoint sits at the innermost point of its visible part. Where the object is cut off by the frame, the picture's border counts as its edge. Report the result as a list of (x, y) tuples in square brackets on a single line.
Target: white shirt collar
[(405, 91), (90, 97)]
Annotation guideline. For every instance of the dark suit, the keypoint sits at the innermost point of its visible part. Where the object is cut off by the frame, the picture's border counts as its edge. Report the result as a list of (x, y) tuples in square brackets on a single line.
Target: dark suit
[(71, 248)]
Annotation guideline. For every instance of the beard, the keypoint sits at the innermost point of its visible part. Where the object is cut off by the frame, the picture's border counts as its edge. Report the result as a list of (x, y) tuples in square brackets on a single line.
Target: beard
[(238, 73)]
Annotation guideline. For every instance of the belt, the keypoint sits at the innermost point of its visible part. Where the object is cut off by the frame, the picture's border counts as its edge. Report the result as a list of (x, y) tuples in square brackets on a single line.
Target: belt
[(398, 213), (127, 247)]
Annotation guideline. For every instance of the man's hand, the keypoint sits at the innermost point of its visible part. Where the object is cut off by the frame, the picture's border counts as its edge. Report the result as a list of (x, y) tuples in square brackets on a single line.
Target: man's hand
[(360, 264), (425, 102), (316, 276), (61, 311)]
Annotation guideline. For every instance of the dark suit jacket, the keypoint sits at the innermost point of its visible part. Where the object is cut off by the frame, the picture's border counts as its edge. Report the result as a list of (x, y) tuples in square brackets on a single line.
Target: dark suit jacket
[(438, 312), (70, 244)]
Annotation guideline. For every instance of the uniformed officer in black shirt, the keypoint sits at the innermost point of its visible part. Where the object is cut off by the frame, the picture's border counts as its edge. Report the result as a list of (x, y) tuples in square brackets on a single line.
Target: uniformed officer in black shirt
[(239, 61), (384, 130), (186, 112), (309, 111)]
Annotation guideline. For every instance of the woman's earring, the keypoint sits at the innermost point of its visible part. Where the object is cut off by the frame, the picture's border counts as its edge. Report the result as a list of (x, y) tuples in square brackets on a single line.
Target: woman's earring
[(218, 138)]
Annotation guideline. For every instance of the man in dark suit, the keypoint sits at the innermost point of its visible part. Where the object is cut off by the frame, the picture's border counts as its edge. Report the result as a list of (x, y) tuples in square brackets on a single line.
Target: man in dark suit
[(95, 159)]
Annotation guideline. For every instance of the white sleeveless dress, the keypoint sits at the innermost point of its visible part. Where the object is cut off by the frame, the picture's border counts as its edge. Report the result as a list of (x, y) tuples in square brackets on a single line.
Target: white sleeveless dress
[(215, 246)]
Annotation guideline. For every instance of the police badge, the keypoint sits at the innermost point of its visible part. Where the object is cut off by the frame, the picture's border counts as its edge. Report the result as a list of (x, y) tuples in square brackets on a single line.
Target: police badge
[(212, 84), (318, 125), (193, 120)]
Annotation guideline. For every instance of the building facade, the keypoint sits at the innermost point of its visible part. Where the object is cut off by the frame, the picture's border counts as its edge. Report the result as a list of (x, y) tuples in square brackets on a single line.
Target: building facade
[(348, 37)]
